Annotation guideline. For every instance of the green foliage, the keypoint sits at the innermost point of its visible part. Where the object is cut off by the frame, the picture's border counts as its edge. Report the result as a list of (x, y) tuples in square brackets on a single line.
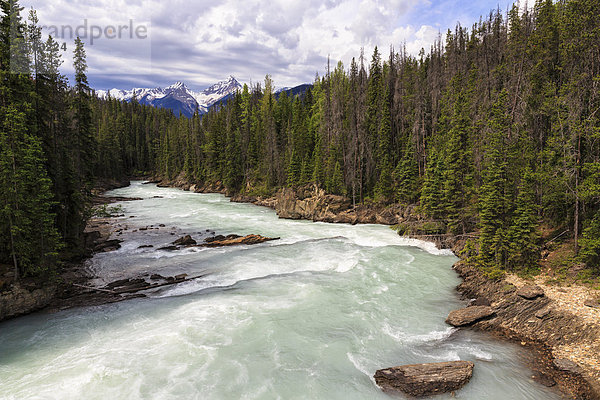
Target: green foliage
[(29, 238), (590, 244), (492, 194), (469, 252), (107, 211), (522, 235), (405, 179), (494, 272), (294, 170), (337, 180)]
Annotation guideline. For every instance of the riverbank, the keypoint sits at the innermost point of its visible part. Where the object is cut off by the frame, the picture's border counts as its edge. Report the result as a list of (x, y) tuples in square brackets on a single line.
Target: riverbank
[(562, 333), (29, 295)]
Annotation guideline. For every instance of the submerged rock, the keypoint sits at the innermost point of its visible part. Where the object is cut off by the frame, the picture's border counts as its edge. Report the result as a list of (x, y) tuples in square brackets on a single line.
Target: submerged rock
[(530, 292), (469, 315), (425, 379), (169, 248)]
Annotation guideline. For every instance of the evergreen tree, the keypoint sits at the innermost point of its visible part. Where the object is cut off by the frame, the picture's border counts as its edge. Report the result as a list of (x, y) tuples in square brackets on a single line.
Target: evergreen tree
[(294, 170), (522, 236), (492, 195), (29, 239), (590, 244)]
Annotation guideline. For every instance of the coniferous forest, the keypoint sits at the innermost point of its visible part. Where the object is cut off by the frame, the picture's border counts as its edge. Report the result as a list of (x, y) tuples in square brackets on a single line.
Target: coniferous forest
[(495, 129)]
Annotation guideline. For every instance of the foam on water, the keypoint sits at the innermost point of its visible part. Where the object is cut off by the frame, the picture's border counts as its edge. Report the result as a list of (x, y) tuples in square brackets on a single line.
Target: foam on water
[(310, 316)]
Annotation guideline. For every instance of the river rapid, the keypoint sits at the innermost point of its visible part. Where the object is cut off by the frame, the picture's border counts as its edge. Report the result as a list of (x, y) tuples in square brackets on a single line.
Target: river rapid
[(310, 316)]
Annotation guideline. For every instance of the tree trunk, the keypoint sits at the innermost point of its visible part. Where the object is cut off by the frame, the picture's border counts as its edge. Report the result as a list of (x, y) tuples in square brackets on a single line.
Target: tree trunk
[(576, 217), (12, 248)]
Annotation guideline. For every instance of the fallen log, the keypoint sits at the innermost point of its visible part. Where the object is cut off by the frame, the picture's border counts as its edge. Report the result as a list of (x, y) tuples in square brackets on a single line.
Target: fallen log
[(137, 288), (93, 288), (157, 285), (232, 240)]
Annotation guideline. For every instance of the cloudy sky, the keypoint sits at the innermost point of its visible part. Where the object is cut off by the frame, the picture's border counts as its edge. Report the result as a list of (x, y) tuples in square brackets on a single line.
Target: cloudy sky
[(147, 43)]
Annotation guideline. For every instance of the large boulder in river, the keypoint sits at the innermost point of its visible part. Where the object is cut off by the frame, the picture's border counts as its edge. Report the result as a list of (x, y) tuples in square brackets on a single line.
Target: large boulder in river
[(530, 292), (108, 245), (185, 241), (469, 315), (425, 379)]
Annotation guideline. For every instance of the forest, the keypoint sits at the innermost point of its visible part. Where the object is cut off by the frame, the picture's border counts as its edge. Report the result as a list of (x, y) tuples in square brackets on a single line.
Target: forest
[(494, 130)]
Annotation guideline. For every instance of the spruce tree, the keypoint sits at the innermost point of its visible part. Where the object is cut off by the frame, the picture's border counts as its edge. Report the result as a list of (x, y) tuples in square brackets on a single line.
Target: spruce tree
[(294, 169), (492, 194), (523, 236)]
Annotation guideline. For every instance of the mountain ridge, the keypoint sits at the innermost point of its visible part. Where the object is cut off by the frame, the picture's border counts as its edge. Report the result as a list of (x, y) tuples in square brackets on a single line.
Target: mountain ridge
[(177, 97)]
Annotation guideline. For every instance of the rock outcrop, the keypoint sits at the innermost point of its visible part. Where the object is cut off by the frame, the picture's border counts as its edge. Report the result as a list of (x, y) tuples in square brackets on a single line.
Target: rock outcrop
[(185, 241), (19, 300), (107, 245), (309, 202), (530, 292), (592, 303), (469, 315), (425, 379)]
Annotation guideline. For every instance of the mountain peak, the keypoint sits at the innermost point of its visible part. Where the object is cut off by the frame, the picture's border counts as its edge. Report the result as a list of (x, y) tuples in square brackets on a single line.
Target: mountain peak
[(177, 85)]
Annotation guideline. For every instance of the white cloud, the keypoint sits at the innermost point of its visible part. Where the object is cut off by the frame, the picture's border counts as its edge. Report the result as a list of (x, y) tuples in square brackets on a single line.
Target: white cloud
[(204, 41)]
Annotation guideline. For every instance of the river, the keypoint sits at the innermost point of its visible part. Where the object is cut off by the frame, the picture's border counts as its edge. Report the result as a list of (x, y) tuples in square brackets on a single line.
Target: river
[(310, 316)]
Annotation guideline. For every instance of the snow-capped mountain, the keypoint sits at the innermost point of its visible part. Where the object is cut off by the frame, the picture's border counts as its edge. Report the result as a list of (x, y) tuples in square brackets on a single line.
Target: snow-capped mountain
[(283, 89), (177, 97)]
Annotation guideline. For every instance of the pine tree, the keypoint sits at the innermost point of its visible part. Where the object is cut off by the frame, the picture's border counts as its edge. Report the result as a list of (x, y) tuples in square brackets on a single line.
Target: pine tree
[(457, 174), (337, 180), (590, 244), (432, 198), (84, 141), (384, 188), (80, 158), (522, 236), (492, 195), (294, 169), (405, 178), (234, 175), (28, 225)]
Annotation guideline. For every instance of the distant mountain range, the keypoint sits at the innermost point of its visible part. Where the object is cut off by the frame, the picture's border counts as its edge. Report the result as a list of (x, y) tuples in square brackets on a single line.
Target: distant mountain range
[(177, 97), (180, 99)]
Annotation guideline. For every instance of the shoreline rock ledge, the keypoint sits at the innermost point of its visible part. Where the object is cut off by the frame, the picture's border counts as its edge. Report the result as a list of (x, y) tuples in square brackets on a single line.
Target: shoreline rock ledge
[(469, 315), (425, 379)]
